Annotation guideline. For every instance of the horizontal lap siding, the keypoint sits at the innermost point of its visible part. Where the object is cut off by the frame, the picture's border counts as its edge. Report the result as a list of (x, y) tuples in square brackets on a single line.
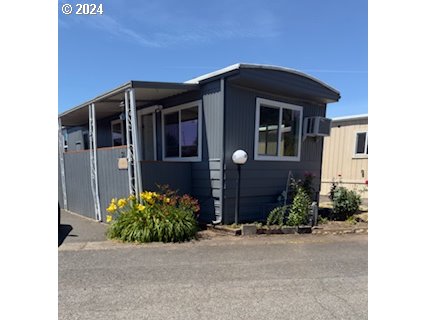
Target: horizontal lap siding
[(261, 181)]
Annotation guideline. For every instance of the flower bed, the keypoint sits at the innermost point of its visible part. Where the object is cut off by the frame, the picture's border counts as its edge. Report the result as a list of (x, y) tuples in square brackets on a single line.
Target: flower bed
[(164, 217)]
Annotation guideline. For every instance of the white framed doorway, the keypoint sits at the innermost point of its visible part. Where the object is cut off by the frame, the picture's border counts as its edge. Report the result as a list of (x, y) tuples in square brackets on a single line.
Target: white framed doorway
[(147, 131)]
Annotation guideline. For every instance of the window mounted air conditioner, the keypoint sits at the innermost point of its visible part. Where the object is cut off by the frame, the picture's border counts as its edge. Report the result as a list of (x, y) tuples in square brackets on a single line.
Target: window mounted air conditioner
[(316, 127)]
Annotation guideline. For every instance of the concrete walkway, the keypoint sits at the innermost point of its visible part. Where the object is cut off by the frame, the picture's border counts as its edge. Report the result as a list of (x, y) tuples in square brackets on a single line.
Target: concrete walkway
[(77, 229)]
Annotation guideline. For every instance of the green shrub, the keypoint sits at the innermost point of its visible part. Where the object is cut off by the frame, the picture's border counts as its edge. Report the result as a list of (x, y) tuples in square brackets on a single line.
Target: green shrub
[(351, 220), (322, 220), (155, 217), (276, 216), (345, 203), (299, 209)]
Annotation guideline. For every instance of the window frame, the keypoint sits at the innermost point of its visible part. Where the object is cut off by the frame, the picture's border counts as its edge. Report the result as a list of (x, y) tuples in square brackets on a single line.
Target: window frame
[(178, 108), (279, 105), (363, 155), (113, 122), (143, 112)]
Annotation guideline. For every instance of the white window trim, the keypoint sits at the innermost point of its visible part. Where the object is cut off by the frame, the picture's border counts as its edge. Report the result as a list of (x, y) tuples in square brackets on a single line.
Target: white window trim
[(361, 155), (281, 106), (143, 112), (113, 122), (180, 107)]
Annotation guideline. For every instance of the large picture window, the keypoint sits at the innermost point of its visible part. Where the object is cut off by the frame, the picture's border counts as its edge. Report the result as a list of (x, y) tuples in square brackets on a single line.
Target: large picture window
[(181, 132), (278, 131)]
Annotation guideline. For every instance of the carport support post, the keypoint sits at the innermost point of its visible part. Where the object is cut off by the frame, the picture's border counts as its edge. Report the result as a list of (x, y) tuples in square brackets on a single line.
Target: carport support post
[(94, 161), (135, 180), (62, 164)]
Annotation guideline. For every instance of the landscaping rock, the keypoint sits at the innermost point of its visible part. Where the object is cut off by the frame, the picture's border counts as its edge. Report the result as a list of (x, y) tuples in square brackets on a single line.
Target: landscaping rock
[(304, 229), (289, 230), (248, 230)]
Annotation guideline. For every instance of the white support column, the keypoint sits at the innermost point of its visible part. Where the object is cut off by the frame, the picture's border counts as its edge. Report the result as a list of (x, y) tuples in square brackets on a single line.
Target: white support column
[(135, 140), (135, 185), (130, 171), (94, 161), (62, 164)]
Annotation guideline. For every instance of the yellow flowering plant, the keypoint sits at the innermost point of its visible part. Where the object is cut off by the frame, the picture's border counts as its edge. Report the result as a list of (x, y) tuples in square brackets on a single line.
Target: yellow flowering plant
[(153, 216)]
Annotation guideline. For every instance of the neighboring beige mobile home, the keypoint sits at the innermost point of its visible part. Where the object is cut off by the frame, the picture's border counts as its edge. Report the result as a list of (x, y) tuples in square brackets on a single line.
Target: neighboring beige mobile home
[(345, 154)]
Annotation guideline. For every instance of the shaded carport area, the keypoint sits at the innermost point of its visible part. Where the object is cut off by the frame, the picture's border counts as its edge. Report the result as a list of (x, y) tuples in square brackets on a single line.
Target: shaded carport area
[(90, 178), (75, 228)]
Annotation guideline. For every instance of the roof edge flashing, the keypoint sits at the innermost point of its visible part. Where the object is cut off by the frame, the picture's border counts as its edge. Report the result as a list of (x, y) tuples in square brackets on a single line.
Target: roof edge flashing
[(104, 95), (350, 118), (260, 66)]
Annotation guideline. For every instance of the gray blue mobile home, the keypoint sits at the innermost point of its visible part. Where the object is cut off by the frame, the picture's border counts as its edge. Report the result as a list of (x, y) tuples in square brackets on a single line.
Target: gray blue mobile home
[(143, 134)]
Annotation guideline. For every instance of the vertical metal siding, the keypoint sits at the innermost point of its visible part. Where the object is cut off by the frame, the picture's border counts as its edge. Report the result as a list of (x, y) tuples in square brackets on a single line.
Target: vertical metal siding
[(113, 182), (261, 181), (175, 174), (212, 120), (206, 175), (103, 128), (75, 134), (60, 194), (77, 178), (339, 157)]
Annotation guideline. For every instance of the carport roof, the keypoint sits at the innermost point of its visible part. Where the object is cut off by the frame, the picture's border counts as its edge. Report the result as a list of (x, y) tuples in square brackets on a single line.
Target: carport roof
[(108, 103)]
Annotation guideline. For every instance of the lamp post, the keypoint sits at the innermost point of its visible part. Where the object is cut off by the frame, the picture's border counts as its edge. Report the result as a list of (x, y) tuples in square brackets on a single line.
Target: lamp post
[(239, 157)]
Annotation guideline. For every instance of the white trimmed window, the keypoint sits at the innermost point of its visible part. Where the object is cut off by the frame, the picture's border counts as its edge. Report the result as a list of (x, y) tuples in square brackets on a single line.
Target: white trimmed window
[(278, 132), (361, 145), (117, 133), (181, 131)]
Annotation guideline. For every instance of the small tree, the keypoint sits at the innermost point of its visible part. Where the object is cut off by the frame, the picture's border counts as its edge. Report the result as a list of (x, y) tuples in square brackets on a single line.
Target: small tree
[(299, 210)]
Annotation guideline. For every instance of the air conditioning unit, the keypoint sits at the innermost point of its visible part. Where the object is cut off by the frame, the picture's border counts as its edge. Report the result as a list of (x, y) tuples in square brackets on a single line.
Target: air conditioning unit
[(316, 127)]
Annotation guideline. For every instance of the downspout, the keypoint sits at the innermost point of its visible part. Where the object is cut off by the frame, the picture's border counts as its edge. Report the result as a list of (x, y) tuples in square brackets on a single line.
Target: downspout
[(222, 159)]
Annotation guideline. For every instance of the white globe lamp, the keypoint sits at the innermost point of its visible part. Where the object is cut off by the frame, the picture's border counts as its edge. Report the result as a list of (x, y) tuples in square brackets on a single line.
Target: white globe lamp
[(239, 157)]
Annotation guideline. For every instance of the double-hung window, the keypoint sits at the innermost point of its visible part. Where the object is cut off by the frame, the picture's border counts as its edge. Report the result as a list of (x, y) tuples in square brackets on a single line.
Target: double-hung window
[(278, 132), (181, 127), (361, 145)]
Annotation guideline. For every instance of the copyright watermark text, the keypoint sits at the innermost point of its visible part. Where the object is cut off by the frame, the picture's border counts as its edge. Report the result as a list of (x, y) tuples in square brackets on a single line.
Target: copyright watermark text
[(83, 9)]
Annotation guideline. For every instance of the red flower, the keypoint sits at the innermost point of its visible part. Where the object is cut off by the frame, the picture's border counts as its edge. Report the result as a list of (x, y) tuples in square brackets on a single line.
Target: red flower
[(366, 182)]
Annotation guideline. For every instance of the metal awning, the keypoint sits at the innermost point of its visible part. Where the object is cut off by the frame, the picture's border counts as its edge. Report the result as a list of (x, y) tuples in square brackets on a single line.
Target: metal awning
[(108, 103)]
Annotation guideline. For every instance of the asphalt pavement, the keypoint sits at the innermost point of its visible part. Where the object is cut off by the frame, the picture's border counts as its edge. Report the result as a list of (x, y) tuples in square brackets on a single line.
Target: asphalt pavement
[(75, 228), (260, 277)]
